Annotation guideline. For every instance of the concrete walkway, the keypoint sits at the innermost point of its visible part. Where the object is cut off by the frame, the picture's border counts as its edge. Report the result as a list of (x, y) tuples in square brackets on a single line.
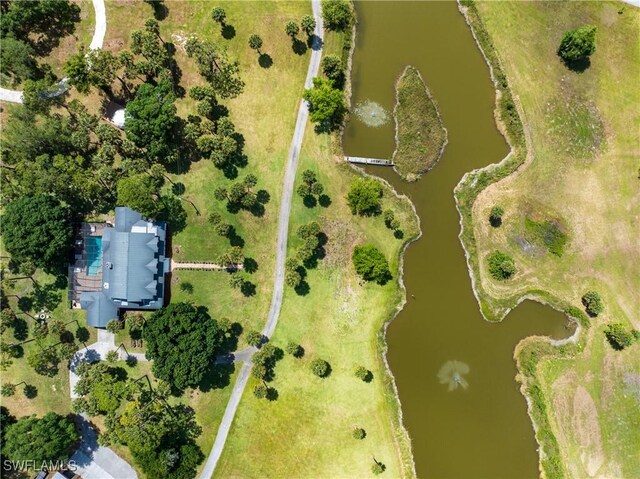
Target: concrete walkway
[(281, 252), (208, 266), (15, 96), (98, 462)]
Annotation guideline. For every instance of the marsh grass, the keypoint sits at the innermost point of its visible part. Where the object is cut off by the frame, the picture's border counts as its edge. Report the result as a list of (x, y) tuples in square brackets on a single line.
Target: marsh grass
[(420, 134)]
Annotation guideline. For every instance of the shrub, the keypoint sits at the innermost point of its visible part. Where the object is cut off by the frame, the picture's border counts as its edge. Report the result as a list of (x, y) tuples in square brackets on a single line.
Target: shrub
[(114, 326), (336, 14), (577, 45), (378, 468), (364, 374), (112, 356), (320, 368), (495, 217), (592, 303), (371, 264), (359, 433), (501, 266), (295, 350), (260, 391), (618, 336), (254, 338), (8, 389), (218, 15)]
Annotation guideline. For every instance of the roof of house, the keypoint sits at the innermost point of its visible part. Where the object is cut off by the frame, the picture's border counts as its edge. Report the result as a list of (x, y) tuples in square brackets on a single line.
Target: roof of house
[(133, 268)]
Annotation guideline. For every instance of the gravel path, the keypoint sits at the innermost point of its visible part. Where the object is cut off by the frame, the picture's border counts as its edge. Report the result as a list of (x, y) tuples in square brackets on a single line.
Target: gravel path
[(281, 252), (15, 96)]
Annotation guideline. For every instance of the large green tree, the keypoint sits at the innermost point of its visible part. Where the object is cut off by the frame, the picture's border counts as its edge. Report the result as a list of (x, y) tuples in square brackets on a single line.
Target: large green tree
[(336, 14), (16, 59), (371, 264), (578, 45), (364, 196), (140, 192), (216, 67), (37, 228), (182, 340), (40, 439), (151, 120), (326, 104)]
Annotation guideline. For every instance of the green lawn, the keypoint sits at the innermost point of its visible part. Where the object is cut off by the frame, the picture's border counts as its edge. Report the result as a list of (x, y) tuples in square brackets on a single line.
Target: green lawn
[(307, 431), (580, 175), (52, 392)]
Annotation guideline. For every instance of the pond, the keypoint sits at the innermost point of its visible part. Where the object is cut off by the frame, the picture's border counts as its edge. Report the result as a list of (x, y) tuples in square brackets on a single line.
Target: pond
[(454, 371)]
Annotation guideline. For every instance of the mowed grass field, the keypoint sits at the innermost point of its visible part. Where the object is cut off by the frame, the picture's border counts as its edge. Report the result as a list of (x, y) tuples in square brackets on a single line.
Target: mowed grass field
[(52, 392), (264, 114), (307, 430), (582, 175)]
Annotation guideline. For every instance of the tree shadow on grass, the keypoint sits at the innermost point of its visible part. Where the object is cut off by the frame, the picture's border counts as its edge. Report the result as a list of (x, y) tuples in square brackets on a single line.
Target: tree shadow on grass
[(228, 31), (309, 201), (250, 265), (324, 201), (160, 10), (248, 289), (265, 60), (234, 238), (20, 329), (303, 288), (217, 377), (298, 47), (578, 66)]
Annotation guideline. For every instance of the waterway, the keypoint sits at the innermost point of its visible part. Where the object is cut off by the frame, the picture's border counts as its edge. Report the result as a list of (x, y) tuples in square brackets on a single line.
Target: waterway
[(466, 419)]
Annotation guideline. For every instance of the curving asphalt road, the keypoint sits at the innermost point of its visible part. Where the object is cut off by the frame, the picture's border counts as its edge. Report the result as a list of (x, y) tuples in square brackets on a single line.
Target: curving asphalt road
[(281, 253), (15, 96)]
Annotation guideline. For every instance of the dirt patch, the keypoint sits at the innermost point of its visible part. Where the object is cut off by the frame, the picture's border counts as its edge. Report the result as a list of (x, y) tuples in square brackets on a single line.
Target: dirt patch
[(342, 238), (587, 431), (577, 421)]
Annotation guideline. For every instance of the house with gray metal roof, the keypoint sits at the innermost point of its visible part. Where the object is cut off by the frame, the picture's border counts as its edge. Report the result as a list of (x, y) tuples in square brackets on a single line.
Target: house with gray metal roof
[(122, 266)]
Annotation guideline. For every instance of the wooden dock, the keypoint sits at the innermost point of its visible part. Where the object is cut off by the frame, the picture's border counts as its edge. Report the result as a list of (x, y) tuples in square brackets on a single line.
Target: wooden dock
[(368, 161)]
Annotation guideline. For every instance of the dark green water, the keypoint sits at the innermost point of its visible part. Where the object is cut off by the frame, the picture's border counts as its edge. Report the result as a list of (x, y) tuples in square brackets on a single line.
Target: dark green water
[(483, 430)]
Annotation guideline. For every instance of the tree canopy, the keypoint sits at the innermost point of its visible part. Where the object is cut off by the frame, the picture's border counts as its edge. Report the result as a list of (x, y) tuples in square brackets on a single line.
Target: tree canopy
[(371, 264), (592, 303), (151, 119), (37, 228), (326, 104), (182, 340), (364, 196), (216, 67), (336, 14), (501, 265), (578, 45), (140, 192), (40, 439)]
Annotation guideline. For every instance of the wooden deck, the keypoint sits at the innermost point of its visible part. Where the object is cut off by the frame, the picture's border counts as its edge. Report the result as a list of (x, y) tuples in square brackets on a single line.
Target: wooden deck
[(368, 161)]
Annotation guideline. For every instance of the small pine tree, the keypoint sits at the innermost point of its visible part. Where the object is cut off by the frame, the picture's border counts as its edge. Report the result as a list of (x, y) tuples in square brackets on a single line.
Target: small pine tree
[(359, 433), (254, 338), (255, 42), (219, 15), (364, 374), (114, 326), (260, 391), (308, 25), (320, 368), (8, 389), (291, 28), (295, 350), (378, 468), (112, 356)]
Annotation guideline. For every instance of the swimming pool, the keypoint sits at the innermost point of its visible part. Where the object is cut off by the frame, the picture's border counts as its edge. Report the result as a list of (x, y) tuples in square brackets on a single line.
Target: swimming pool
[(94, 255)]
